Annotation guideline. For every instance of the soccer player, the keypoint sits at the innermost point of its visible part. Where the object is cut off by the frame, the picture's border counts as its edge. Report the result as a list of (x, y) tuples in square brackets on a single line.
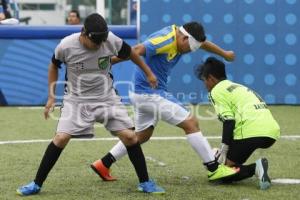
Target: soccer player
[(90, 97), (162, 50), (247, 122)]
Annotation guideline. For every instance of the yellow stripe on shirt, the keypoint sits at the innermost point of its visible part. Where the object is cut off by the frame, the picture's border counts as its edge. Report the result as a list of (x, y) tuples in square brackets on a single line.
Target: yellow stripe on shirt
[(171, 48)]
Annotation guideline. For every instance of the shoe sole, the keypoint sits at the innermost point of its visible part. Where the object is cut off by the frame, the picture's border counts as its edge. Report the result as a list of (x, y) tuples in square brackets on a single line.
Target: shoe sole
[(158, 193), (102, 177), (265, 181), (221, 178), (21, 194)]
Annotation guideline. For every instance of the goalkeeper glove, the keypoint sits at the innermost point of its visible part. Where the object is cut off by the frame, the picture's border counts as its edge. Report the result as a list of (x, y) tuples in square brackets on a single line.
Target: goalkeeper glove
[(221, 154)]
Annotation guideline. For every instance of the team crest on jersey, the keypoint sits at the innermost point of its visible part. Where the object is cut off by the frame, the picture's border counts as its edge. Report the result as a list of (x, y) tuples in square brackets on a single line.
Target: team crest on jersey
[(103, 63)]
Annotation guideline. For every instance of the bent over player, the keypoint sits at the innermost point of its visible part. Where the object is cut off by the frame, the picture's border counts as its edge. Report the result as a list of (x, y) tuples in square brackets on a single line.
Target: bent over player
[(161, 51), (90, 98), (247, 122)]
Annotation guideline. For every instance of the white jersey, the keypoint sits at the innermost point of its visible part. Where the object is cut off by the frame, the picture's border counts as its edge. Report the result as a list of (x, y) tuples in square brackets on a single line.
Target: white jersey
[(88, 71)]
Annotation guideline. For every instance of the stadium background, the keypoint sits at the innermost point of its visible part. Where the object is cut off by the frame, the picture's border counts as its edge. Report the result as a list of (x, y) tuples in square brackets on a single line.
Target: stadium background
[(263, 33)]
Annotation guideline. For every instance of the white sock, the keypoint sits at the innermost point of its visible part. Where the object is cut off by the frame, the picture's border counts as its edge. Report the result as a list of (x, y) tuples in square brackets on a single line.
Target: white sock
[(119, 150), (201, 146)]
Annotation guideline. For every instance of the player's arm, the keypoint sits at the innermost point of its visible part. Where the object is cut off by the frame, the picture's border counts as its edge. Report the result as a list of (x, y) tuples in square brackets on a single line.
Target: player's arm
[(126, 52), (227, 133), (213, 48), (52, 78), (2, 16), (135, 57), (227, 137), (222, 106), (115, 60), (139, 49)]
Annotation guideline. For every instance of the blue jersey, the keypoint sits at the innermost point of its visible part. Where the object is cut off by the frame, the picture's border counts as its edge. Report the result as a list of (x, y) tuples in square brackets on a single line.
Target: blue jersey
[(161, 56)]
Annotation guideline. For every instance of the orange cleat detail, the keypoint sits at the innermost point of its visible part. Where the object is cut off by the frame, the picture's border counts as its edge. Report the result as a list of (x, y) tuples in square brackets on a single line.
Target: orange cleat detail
[(102, 171)]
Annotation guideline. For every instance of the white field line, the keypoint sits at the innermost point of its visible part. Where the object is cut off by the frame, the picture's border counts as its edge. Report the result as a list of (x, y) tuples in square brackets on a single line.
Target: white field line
[(286, 181), (288, 137), (148, 158)]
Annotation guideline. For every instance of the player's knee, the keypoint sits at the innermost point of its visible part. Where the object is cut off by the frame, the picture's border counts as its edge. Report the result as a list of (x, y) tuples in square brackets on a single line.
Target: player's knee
[(131, 139), (142, 138), (128, 137), (194, 123), (191, 125), (61, 139)]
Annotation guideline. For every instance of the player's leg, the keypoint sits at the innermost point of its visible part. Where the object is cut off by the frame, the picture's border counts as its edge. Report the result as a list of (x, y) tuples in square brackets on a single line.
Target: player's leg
[(239, 152), (174, 113), (204, 150), (102, 166), (121, 125), (71, 123), (262, 165), (49, 159), (130, 141), (119, 150), (145, 120), (136, 156), (198, 142)]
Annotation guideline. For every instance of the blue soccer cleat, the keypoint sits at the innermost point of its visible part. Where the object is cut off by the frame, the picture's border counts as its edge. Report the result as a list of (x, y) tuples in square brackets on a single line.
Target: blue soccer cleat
[(150, 187), (29, 189), (261, 171)]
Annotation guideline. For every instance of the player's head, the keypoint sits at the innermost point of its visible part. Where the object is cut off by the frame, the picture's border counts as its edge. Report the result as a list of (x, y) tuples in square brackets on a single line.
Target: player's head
[(190, 36), (73, 17), (211, 72), (95, 30)]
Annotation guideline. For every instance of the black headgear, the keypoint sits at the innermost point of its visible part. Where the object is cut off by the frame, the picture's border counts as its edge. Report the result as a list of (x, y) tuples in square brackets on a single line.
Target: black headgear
[(95, 28)]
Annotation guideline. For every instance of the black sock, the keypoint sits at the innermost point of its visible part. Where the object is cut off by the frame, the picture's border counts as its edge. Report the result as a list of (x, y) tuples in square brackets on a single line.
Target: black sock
[(212, 165), (108, 160), (246, 171), (137, 158), (49, 159)]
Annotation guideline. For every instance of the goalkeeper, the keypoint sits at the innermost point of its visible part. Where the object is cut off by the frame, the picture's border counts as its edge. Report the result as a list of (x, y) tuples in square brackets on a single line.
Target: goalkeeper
[(247, 122)]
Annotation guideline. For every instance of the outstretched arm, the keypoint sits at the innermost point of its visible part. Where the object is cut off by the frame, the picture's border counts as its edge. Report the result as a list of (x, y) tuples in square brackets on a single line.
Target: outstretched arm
[(213, 48)]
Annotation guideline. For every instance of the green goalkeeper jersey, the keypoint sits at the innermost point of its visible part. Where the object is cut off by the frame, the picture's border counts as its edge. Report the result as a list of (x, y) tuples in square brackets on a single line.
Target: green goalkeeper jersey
[(252, 117)]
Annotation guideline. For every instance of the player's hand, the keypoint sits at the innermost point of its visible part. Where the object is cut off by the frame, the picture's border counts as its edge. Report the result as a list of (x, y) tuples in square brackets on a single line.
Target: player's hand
[(229, 56), (2, 16), (222, 153), (49, 107), (152, 80)]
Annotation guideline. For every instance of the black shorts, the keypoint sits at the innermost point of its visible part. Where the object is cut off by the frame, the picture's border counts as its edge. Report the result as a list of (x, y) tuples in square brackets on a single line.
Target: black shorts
[(240, 150)]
